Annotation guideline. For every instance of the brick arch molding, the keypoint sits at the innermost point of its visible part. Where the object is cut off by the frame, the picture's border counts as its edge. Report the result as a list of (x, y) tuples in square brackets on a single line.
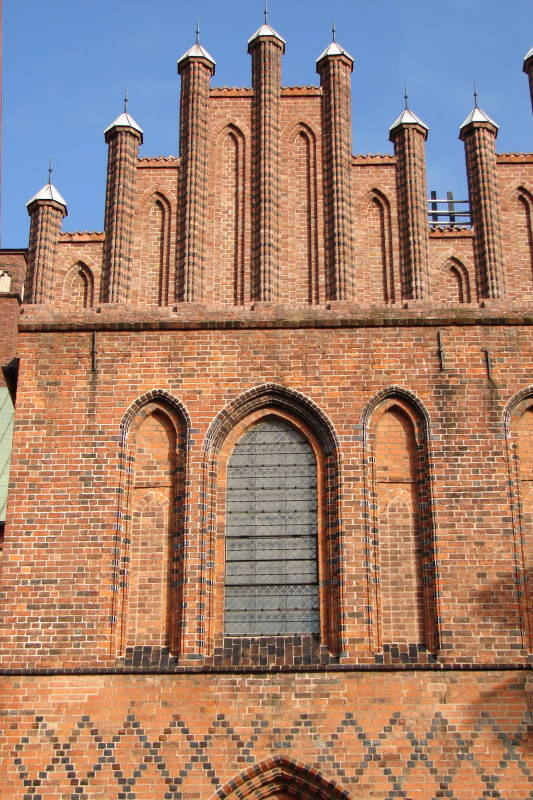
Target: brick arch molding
[(282, 775)]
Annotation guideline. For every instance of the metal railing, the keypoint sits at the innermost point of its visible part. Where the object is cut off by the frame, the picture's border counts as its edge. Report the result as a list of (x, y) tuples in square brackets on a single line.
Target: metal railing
[(448, 212)]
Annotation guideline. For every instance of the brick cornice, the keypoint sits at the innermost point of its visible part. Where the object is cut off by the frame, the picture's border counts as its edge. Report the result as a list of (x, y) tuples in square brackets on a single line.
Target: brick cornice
[(514, 158), (450, 232), (361, 159), (76, 236)]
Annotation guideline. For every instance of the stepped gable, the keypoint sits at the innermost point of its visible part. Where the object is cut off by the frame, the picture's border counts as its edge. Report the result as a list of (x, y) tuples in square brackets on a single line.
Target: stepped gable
[(266, 459)]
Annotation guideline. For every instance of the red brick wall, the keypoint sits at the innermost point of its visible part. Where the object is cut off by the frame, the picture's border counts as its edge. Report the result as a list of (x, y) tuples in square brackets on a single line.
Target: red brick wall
[(418, 412), (74, 416), (14, 262)]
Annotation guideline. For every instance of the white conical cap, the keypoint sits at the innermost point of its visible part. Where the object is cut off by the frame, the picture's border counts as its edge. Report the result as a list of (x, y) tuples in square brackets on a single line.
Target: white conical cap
[(263, 31), (408, 117), (197, 51), (334, 49), (125, 120), (478, 115), (528, 55), (48, 192)]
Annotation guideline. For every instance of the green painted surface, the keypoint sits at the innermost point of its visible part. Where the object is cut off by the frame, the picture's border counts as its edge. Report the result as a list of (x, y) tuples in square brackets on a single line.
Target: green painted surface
[(7, 413)]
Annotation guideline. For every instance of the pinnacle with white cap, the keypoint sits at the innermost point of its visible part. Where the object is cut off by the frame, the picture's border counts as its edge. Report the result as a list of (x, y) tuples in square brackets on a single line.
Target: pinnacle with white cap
[(266, 30), (478, 115), (334, 48), (408, 117), (197, 51), (527, 58), (48, 193), (125, 120)]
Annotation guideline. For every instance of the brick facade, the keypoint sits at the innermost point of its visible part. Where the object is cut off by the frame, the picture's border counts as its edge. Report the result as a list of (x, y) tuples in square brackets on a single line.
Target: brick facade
[(269, 272)]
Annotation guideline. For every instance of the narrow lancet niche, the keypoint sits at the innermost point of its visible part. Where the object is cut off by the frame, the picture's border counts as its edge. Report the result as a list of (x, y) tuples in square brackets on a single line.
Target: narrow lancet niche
[(154, 279), (522, 438), (451, 283), (154, 518), (405, 619), (300, 242), (227, 283), (79, 286), (379, 278), (524, 245)]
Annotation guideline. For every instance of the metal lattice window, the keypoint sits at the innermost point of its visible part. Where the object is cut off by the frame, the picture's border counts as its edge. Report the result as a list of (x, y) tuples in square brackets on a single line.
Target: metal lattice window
[(271, 582)]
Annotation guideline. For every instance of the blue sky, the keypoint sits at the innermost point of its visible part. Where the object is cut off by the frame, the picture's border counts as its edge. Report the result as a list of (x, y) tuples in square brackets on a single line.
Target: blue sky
[(68, 62)]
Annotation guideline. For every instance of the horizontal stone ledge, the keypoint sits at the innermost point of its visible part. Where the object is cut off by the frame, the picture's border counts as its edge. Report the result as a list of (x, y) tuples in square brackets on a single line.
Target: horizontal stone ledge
[(268, 669), (40, 319)]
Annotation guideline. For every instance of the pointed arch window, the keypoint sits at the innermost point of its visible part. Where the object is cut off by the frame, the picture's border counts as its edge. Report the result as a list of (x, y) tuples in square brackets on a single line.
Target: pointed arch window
[(272, 570), (271, 579)]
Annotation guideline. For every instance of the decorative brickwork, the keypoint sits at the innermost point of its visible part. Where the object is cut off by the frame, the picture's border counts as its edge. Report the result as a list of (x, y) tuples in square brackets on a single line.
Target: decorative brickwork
[(331, 737)]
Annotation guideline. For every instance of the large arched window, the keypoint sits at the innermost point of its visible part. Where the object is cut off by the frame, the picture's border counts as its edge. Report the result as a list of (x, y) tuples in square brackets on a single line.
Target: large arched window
[(271, 579)]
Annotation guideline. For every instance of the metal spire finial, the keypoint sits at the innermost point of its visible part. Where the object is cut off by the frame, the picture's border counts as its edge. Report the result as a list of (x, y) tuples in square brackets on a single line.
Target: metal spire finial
[(126, 102), (405, 96), (197, 31), (475, 97), (50, 170), (265, 12), (334, 31)]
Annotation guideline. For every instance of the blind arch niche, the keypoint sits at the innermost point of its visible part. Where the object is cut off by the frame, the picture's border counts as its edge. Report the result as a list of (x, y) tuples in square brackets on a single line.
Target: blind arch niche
[(271, 577)]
